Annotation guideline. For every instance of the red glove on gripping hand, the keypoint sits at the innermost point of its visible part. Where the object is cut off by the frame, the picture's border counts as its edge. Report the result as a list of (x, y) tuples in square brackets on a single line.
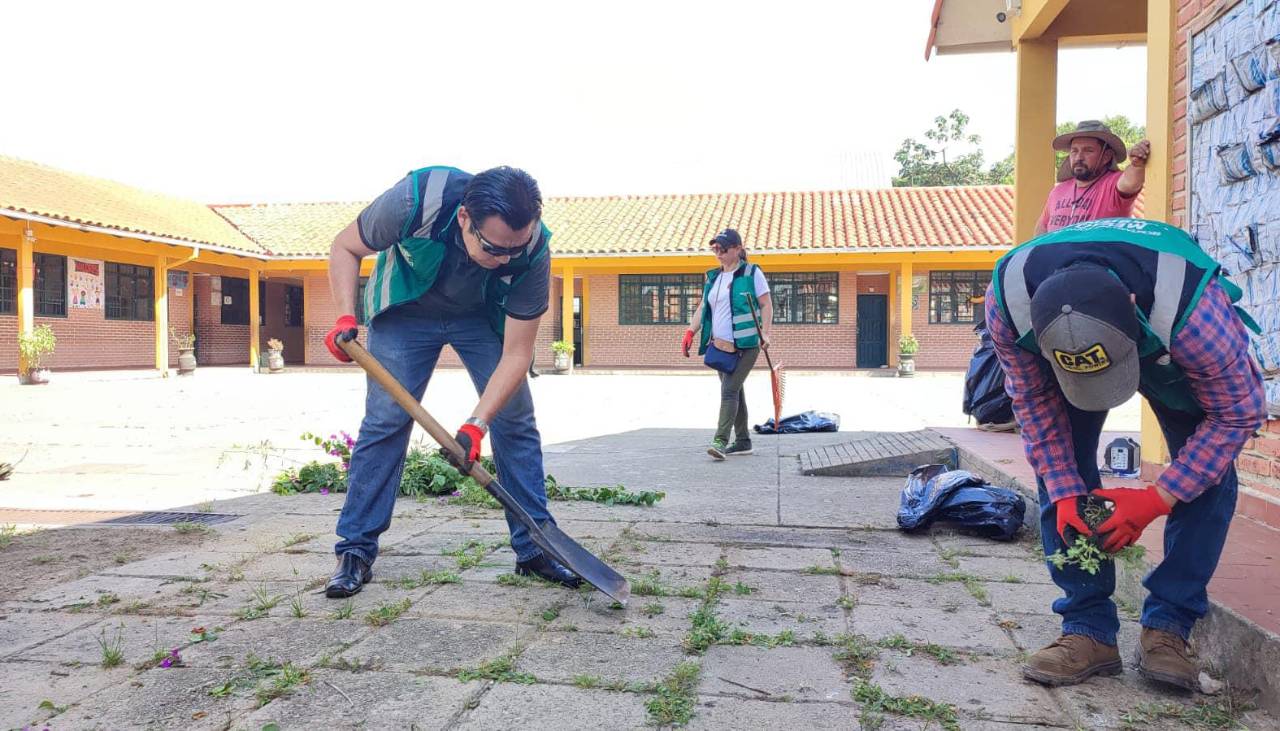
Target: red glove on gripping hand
[(1134, 511), (346, 329), (687, 342), (1069, 515), (469, 438)]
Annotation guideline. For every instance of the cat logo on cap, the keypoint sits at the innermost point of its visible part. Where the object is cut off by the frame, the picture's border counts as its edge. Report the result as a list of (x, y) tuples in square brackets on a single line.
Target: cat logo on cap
[(1092, 360)]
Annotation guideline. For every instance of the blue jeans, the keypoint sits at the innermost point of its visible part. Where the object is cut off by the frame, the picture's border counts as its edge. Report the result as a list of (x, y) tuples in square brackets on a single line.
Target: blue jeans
[(1193, 538), (407, 340)]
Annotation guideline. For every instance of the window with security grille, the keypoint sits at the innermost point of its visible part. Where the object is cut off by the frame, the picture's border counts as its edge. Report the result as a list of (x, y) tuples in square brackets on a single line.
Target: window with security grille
[(51, 285), (8, 282), (292, 306), (658, 299), (951, 293), (806, 298), (129, 291)]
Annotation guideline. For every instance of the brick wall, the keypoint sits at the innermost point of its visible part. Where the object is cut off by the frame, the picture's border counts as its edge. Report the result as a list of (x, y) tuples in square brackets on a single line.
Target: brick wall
[(274, 327), (217, 344), (1259, 464), (86, 339)]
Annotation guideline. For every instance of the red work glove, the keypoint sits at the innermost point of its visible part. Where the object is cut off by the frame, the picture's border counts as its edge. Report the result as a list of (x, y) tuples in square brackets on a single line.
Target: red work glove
[(1069, 515), (345, 330), (469, 438), (1134, 511), (687, 342)]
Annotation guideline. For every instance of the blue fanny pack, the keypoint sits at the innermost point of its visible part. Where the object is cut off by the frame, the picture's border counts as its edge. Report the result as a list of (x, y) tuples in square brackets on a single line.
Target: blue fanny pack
[(720, 360)]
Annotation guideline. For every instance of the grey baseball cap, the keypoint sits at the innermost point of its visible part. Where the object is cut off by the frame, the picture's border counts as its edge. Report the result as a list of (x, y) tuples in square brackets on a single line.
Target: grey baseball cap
[(1088, 329)]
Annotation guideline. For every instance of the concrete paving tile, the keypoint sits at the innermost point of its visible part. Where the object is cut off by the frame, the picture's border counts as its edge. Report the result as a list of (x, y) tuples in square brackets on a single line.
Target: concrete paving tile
[(300, 641), (850, 503), (897, 541), (435, 645), (562, 656), (736, 714), (659, 615), (436, 541), (1027, 570), (991, 689), (746, 535), (378, 700), (1021, 598), (787, 586), (27, 684), (966, 630), (491, 602), (509, 706), (1034, 631), (20, 630), (173, 698), (889, 562), (803, 620), (289, 567), (878, 590), (664, 553), (92, 589), (1023, 547), (187, 564), (139, 638), (778, 559), (1102, 702), (803, 673), (718, 504)]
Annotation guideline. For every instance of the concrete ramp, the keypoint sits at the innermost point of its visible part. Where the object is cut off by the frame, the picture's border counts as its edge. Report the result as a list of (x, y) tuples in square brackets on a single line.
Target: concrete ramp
[(887, 454)]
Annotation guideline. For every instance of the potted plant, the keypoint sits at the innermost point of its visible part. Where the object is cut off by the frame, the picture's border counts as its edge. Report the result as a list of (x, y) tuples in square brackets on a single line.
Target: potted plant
[(564, 351), (275, 356), (33, 348), (186, 351), (907, 348)]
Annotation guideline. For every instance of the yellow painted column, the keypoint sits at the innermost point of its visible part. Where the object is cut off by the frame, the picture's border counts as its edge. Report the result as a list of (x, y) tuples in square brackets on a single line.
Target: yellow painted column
[(1033, 171), (892, 316), (255, 346), (1158, 193), (160, 301), (904, 297), (566, 308), (586, 319), (26, 289)]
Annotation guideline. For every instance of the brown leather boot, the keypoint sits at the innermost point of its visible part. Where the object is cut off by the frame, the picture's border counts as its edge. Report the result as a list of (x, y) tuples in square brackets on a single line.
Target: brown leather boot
[(1072, 659), (1165, 657)]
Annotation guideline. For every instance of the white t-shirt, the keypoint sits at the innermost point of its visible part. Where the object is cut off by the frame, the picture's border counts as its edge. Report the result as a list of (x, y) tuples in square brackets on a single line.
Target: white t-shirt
[(721, 307)]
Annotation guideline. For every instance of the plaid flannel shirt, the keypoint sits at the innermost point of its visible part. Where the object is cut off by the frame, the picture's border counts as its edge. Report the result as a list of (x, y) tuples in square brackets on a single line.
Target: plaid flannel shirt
[(1212, 350)]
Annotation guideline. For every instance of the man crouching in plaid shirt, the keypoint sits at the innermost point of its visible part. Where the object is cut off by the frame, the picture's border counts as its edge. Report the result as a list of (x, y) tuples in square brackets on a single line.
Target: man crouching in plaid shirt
[(1082, 318)]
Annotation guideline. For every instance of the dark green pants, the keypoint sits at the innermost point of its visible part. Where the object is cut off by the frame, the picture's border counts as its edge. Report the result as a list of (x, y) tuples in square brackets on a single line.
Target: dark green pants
[(733, 400)]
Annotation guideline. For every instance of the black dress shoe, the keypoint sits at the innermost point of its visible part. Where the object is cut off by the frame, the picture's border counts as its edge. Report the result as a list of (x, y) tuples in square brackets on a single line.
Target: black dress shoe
[(352, 574), (544, 567)]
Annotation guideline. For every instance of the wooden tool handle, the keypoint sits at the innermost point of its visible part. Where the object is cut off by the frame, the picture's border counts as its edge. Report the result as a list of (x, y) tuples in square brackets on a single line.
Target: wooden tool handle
[(411, 405)]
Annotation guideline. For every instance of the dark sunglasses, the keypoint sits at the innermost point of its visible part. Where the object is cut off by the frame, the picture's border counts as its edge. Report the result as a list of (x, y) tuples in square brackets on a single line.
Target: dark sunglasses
[(720, 248), (493, 249)]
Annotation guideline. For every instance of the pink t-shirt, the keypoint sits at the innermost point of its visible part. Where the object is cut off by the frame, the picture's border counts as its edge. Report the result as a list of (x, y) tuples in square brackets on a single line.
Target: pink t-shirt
[(1069, 203)]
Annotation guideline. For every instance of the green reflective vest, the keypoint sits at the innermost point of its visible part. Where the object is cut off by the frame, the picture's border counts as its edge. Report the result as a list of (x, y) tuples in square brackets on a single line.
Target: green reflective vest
[(1161, 265), (742, 293), (405, 271)]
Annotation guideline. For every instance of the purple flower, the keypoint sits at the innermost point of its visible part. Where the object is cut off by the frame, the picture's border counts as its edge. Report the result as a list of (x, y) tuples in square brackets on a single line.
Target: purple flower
[(324, 491), (457, 493), (173, 659)]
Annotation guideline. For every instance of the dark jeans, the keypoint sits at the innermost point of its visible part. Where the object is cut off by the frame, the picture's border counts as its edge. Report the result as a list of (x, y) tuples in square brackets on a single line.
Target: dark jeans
[(733, 399), (407, 340), (1193, 538)]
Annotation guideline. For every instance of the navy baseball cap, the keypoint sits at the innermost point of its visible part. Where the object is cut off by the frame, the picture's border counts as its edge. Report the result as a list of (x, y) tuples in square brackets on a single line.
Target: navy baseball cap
[(727, 238), (1088, 329)]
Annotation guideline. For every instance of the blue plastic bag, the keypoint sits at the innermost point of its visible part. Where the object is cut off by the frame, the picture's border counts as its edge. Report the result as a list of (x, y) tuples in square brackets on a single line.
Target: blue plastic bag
[(809, 421), (935, 494)]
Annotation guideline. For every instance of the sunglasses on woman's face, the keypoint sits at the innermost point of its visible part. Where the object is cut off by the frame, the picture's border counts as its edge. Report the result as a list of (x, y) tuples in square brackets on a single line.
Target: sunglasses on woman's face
[(493, 249), (718, 249)]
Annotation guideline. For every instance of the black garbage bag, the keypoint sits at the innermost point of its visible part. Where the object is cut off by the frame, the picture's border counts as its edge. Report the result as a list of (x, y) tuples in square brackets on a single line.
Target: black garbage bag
[(984, 396), (809, 421), (959, 497)]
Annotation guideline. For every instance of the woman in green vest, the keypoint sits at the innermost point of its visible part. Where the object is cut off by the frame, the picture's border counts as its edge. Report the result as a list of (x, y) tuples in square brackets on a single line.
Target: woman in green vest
[(730, 340)]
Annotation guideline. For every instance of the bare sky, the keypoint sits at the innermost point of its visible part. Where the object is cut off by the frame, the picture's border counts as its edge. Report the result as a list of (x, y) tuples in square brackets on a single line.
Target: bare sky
[(236, 101)]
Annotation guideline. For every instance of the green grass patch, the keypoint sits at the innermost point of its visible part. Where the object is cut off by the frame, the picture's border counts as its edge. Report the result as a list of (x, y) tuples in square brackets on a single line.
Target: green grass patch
[(673, 701), (1216, 714), (112, 649), (587, 681), (386, 613), (653, 609), (186, 527), (875, 702), (856, 654), (972, 584), (942, 655), (346, 611), (501, 670)]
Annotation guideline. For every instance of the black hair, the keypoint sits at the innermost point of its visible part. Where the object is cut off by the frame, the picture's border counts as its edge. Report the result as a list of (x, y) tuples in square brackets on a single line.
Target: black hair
[(507, 192)]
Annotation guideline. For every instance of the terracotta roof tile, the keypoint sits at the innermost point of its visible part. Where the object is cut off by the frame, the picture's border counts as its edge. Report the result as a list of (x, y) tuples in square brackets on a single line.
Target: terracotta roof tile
[(292, 229), (28, 187)]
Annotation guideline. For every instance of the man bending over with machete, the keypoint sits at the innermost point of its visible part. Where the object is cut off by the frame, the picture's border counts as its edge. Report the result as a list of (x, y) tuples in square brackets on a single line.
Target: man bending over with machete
[(1082, 318), (463, 260)]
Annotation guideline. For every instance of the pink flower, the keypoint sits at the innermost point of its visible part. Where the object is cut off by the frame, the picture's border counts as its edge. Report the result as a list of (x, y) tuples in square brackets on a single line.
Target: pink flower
[(324, 491)]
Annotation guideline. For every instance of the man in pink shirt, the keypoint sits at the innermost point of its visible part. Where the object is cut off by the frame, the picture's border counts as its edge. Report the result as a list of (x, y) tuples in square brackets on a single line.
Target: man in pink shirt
[(1090, 183)]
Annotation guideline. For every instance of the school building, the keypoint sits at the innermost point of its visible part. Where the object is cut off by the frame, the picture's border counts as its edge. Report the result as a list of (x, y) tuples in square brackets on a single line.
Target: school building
[(117, 272)]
